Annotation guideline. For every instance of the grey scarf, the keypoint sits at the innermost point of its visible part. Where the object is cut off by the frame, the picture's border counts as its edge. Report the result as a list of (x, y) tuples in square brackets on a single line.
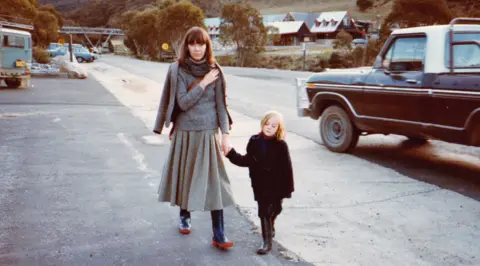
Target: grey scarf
[(196, 68)]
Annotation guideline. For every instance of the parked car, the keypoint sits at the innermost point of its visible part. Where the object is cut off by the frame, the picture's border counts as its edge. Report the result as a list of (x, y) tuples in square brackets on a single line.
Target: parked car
[(81, 53), (425, 84), (15, 57)]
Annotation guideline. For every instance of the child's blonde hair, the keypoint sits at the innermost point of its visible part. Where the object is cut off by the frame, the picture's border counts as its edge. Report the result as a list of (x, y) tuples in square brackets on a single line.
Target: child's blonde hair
[(280, 134)]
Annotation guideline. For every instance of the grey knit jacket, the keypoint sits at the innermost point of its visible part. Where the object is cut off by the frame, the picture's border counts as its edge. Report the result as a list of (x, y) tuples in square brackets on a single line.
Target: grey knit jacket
[(188, 100)]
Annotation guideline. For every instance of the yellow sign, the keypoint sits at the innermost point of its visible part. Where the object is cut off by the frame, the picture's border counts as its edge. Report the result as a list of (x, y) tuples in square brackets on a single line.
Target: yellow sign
[(61, 41), (19, 63), (165, 46)]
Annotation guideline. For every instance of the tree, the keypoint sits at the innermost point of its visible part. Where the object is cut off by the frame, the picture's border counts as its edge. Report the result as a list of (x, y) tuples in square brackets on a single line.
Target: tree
[(412, 13), (53, 11), (464, 8), (18, 10), (45, 28), (343, 41), (273, 35), (242, 25), (142, 32), (175, 20), (364, 4)]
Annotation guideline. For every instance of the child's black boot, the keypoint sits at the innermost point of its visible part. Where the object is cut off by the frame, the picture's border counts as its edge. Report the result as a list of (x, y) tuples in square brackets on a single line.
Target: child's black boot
[(273, 224), (267, 235)]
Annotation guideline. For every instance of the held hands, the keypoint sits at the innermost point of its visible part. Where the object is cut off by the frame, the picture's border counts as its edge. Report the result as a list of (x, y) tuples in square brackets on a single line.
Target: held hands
[(226, 146), (209, 78)]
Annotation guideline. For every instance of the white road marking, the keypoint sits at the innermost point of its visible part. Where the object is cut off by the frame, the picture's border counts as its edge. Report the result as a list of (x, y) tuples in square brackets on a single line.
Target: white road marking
[(139, 158)]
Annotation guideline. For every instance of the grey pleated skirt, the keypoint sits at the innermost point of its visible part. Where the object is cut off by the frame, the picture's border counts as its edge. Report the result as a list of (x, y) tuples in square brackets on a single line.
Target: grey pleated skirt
[(194, 175)]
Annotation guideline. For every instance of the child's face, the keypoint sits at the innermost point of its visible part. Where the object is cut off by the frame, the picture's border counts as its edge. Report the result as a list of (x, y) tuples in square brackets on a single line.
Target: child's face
[(271, 126)]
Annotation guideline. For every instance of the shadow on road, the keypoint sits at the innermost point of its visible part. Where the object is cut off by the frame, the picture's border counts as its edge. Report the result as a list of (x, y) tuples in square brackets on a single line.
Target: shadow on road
[(424, 163)]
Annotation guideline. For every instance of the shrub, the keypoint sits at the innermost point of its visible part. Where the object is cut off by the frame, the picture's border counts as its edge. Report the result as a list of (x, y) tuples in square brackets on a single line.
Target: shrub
[(41, 55)]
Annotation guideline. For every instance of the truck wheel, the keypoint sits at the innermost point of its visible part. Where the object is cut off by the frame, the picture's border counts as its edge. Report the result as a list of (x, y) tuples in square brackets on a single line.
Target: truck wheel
[(80, 59), (13, 83), (337, 131)]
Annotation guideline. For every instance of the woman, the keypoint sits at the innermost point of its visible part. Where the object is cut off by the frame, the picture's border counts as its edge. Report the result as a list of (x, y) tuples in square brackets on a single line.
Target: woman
[(193, 98)]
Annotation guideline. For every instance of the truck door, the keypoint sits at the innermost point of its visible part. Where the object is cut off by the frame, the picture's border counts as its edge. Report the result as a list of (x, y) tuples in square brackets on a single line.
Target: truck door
[(13, 49), (1, 49), (456, 96), (393, 92)]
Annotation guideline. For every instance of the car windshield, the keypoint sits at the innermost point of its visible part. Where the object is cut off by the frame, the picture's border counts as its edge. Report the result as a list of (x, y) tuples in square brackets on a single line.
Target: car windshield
[(466, 55)]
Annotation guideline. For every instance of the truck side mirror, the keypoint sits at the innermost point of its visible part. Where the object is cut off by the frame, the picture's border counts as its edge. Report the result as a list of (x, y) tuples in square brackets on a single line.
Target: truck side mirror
[(386, 64)]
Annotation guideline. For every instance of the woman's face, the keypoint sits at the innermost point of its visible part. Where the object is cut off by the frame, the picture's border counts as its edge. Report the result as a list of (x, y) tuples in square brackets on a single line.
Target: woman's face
[(271, 127), (197, 51)]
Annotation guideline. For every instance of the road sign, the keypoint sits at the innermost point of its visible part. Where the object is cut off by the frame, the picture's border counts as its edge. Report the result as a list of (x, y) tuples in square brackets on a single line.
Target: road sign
[(61, 41), (165, 46)]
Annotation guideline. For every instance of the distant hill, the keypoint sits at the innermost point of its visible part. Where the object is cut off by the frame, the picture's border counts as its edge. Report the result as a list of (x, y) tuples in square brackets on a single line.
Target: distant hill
[(105, 11), (64, 5)]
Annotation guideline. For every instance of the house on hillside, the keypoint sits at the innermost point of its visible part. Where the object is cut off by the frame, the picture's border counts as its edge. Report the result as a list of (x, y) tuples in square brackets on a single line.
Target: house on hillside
[(328, 24), (291, 32)]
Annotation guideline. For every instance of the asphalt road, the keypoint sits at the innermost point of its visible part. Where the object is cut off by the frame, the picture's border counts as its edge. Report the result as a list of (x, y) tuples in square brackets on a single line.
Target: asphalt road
[(254, 91), (346, 209), (78, 187)]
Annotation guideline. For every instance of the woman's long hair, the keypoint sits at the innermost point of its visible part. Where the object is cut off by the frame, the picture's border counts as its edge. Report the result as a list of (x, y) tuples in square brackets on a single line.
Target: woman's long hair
[(197, 35)]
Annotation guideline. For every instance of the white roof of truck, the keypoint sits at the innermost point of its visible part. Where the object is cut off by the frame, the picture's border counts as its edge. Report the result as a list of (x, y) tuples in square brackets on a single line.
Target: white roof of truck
[(19, 32), (435, 48), (437, 29)]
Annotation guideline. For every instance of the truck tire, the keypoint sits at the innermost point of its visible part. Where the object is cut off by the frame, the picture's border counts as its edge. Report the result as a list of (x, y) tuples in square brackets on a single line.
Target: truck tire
[(13, 83), (337, 130), (80, 59)]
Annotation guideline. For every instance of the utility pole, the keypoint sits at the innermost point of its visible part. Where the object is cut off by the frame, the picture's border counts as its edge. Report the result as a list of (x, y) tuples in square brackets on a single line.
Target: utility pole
[(304, 48), (70, 50)]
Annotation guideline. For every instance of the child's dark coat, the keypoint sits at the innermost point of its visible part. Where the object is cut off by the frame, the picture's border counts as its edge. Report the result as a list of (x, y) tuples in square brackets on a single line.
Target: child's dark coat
[(270, 168)]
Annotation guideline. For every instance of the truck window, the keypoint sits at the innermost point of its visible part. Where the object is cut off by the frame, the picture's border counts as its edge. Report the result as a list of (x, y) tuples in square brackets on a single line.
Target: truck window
[(465, 55), (13, 41), (406, 54)]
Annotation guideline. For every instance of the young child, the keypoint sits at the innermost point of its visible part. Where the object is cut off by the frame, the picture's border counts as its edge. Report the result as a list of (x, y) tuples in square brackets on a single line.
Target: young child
[(271, 174)]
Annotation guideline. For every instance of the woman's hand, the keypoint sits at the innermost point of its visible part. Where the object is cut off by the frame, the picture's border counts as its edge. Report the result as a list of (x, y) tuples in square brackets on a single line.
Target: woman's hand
[(209, 78), (226, 146)]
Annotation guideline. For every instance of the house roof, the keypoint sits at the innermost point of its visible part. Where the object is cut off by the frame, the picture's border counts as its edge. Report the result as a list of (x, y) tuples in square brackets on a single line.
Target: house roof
[(308, 18), (336, 16), (286, 27)]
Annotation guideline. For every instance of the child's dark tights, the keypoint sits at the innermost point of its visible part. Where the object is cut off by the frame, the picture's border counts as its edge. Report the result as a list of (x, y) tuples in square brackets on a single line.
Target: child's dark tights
[(270, 208)]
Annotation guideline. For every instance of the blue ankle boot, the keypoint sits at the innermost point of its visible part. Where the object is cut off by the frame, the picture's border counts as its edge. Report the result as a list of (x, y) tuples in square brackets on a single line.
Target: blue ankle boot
[(185, 222), (219, 239)]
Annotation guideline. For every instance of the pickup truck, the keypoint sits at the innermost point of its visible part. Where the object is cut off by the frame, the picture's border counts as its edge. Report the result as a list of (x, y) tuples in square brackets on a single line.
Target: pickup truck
[(424, 84)]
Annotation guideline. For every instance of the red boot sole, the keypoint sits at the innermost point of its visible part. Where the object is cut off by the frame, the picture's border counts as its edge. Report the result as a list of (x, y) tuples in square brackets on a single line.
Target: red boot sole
[(223, 246), (184, 231)]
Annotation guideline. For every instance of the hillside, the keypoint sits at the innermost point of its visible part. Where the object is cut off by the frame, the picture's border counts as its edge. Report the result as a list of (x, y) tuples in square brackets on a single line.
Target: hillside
[(265, 6), (101, 13)]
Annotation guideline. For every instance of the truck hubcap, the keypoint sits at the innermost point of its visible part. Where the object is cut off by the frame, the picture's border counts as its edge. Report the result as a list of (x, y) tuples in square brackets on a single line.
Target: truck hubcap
[(334, 131)]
